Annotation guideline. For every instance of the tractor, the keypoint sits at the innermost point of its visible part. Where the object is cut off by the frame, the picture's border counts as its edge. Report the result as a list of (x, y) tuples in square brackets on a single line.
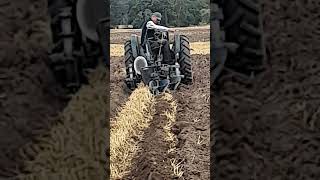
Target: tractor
[(144, 63)]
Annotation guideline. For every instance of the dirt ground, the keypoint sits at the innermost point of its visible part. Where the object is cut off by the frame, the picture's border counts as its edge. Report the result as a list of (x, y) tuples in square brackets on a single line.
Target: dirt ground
[(30, 97), (191, 127), (270, 126), (75, 146), (118, 90), (152, 162), (195, 34)]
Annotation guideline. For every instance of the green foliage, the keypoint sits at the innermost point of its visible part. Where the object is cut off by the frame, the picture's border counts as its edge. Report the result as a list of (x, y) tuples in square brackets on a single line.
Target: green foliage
[(174, 12), (205, 15)]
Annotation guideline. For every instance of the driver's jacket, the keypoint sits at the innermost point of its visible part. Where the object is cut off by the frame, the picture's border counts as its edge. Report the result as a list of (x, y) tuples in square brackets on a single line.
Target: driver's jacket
[(149, 28)]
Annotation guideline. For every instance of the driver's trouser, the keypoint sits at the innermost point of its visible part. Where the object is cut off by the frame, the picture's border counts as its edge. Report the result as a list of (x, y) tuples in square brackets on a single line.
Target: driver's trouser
[(165, 50)]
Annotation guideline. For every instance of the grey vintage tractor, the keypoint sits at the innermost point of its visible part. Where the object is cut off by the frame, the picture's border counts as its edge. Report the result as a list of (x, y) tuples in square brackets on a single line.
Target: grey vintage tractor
[(144, 63), (80, 33)]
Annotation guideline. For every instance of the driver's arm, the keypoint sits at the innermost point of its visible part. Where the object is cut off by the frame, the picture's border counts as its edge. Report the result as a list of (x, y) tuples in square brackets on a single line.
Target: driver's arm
[(152, 25)]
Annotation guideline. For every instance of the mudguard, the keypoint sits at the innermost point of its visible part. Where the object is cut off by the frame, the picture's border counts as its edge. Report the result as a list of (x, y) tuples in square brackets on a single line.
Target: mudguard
[(134, 45), (103, 31), (177, 47), (89, 13)]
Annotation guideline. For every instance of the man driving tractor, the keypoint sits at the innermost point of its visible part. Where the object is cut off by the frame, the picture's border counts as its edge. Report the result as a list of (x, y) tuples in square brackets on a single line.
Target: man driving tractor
[(149, 32), (154, 62)]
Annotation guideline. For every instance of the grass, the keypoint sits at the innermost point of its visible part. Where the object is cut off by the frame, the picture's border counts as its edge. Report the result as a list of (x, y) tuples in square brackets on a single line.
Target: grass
[(200, 140), (196, 48), (177, 168), (130, 122)]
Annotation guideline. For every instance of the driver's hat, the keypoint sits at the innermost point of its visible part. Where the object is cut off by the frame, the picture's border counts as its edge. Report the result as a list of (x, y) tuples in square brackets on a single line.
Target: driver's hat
[(158, 15)]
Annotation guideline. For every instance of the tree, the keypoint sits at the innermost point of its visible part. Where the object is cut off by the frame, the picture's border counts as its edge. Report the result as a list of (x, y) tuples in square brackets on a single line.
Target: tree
[(174, 12), (205, 16)]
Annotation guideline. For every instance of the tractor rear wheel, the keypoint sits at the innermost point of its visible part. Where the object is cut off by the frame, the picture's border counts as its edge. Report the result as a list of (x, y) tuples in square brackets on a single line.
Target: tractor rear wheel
[(185, 60), (129, 60), (242, 24)]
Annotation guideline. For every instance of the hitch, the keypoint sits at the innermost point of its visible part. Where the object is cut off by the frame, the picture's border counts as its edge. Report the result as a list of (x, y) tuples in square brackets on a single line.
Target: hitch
[(158, 86), (159, 79)]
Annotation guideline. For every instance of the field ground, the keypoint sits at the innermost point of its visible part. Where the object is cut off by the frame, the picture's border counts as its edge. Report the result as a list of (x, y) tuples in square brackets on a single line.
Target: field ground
[(270, 125), (196, 48), (191, 126), (26, 82), (195, 34)]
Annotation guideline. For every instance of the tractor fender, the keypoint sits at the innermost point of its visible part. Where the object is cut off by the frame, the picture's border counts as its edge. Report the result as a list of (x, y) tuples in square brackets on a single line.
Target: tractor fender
[(177, 47), (104, 38), (134, 45), (89, 13)]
